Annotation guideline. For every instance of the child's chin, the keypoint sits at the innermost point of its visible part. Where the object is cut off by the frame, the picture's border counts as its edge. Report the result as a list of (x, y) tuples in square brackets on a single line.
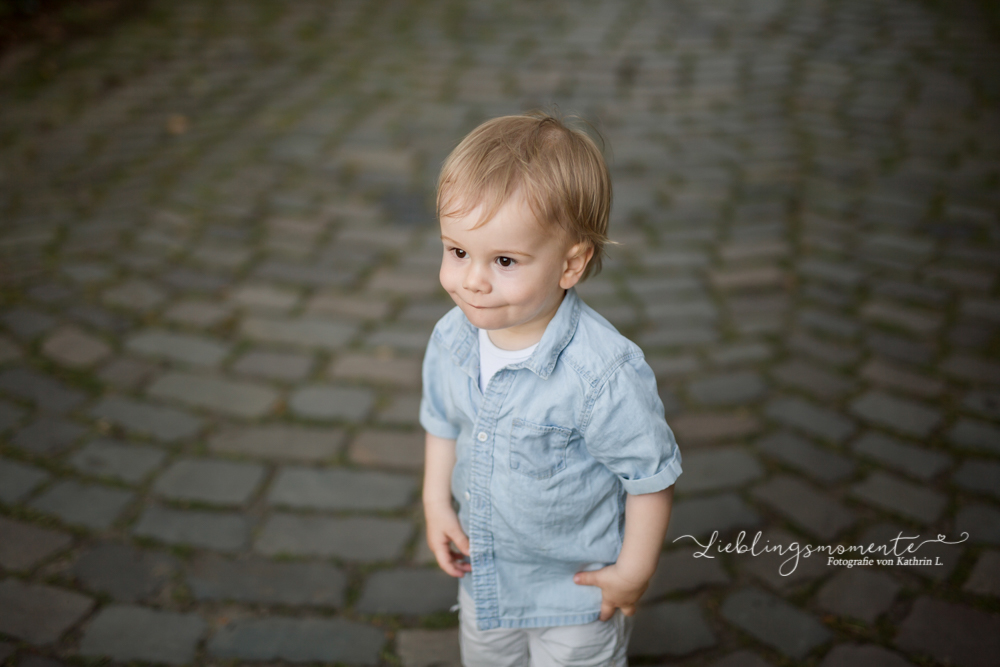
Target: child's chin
[(481, 319)]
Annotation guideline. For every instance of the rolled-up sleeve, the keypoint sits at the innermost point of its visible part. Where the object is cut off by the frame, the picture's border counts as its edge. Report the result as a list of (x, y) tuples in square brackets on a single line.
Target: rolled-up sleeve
[(626, 430), (433, 411)]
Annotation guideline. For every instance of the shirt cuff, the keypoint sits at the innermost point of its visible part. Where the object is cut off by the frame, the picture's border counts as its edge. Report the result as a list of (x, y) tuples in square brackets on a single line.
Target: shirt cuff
[(438, 427), (658, 482)]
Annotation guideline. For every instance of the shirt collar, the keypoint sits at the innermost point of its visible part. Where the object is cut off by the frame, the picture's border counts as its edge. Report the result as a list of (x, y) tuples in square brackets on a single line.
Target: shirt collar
[(558, 333)]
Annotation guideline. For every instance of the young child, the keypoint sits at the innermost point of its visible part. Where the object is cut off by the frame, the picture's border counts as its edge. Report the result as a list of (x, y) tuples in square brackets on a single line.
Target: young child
[(543, 422)]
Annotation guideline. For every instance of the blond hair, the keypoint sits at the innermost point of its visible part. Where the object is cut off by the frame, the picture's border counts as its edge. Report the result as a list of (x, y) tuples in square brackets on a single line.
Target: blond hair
[(559, 170)]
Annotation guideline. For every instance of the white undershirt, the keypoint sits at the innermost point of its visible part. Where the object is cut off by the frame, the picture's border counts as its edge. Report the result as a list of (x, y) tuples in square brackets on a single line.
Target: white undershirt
[(492, 358)]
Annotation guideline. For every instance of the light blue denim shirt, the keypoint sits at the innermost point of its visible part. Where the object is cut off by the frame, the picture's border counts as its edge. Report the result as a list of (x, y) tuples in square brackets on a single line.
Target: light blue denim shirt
[(545, 459)]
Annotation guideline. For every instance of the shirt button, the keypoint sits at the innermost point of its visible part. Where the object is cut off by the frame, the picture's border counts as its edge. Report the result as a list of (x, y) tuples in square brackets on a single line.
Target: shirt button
[(482, 436), (468, 496)]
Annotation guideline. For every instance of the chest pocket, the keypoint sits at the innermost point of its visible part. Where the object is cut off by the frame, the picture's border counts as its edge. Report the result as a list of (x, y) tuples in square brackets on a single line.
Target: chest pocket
[(538, 451)]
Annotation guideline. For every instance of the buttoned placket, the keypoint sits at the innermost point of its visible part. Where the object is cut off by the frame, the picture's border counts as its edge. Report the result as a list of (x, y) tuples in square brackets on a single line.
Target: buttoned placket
[(484, 572)]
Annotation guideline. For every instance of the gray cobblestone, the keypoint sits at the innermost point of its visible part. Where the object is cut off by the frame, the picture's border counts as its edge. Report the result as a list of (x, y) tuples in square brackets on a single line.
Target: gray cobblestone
[(858, 594), (388, 448), (18, 480), (699, 517), (950, 633), (979, 476), (279, 442), (670, 628), (428, 648), (975, 434), (774, 622), (204, 480), (900, 497), (39, 614), (817, 462), (48, 436), (681, 570), (45, 392), (163, 423), (126, 633), (128, 462), (238, 399), (74, 348), (88, 505), (800, 414), (183, 348), (862, 655), (336, 489), (330, 402), (899, 414), (408, 591), (719, 468), (816, 381), (124, 573), (812, 511), (298, 640), (222, 531), (728, 389), (312, 584), (918, 462), (362, 539), (22, 545), (286, 366), (309, 333)]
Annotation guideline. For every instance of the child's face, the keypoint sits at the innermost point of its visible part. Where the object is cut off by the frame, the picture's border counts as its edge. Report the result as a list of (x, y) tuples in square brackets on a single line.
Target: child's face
[(509, 274)]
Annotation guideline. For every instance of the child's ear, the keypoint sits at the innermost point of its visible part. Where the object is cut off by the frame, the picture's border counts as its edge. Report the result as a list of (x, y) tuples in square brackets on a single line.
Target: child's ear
[(577, 258)]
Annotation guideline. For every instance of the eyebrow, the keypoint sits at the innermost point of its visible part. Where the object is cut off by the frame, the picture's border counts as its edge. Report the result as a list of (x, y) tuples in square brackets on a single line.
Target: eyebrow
[(498, 252)]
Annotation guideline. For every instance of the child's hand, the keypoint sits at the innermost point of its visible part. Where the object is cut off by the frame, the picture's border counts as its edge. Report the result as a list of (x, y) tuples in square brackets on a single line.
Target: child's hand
[(443, 529), (617, 589)]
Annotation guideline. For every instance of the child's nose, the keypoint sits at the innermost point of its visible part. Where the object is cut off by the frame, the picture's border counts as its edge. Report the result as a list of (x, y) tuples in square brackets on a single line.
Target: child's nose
[(476, 279)]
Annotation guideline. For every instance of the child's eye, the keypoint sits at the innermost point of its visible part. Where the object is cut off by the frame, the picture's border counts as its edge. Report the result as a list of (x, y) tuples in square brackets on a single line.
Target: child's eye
[(505, 262), (459, 253)]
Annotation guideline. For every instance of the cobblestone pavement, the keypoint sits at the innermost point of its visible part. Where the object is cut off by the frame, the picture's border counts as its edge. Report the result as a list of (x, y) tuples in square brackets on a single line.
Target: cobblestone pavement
[(219, 273)]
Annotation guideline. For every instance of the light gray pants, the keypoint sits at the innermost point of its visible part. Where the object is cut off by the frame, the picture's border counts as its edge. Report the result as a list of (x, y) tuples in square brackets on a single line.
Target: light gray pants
[(597, 644)]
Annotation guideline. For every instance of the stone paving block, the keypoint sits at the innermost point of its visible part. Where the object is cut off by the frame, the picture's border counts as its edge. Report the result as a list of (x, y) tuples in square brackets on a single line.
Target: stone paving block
[(718, 468), (951, 633), (699, 517), (345, 306), (863, 655), (129, 462), (400, 372), (162, 423), (238, 399), (339, 489), (985, 576), (313, 584), (72, 347), (781, 562), (279, 442), (919, 321), (676, 365), (183, 348), (18, 480), (739, 353), (198, 313), (354, 538), (774, 622), (900, 348), (681, 570), (128, 633), (670, 628), (325, 402), (818, 462), (894, 376), (408, 591), (818, 382), (126, 374), (900, 414), (693, 428), (266, 297), (402, 410), (134, 294), (125, 573), (428, 648), (827, 323), (843, 275), (811, 510), (978, 476), (742, 658), (971, 369), (393, 449), (976, 435), (301, 639), (27, 323), (221, 531), (836, 354), (205, 480), (670, 336), (401, 336), (728, 389), (48, 436), (48, 394), (919, 462), (39, 614), (88, 505), (10, 415), (282, 366), (821, 422), (310, 333), (858, 593), (983, 403), (682, 312), (890, 493), (23, 545)]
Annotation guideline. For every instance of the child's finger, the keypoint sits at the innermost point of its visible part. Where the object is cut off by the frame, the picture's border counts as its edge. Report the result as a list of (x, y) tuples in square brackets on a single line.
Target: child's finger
[(607, 610), (461, 541), (589, 578)]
